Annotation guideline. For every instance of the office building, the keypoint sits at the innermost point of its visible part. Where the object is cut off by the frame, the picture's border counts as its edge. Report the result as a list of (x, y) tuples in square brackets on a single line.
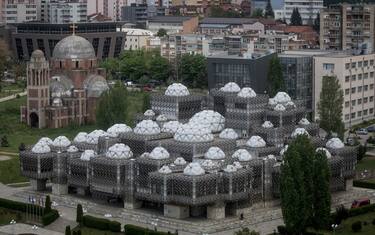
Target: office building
[(18, 11), (308, 10), (139, 13), (60, 12)]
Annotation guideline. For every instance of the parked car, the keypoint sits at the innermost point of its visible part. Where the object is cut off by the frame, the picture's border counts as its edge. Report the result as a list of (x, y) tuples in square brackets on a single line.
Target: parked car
[(371, 129), (362, 131), (360, 202)]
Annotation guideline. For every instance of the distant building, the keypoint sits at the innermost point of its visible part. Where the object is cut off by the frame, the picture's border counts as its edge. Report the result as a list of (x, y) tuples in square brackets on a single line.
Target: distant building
[(106, 38), (258, 4), (139, 13), (109, 8), (137, 39), (346, 27), (173, 24), (19, 11), (307, 9), (245, 70), (60, 12), (355, 74)]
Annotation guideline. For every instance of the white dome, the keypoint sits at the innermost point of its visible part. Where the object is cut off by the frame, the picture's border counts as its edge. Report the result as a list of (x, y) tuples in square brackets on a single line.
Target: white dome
[(41, 148), (170, 127), (290, 104), (282, 97), (119, 151), (93, 137), (165, 170), (177, 89), (72, 149), (61, 141), (45, 140), (81, 137), (299, 131), (117, 129), (231, 87), (267, 124), (229, 134), (147, 127), (247, 92), (270, 157), (230, 168), (214, 153), (180, 161), (193, 133), (279, 107), (237, 165), (159, 153), (149, 113), (242, 155), (335, 143), (193, 169), (213, 120), (208, 164), (161, 118), (283, 150), (304, 121), (272, 102), (87, 154), (256, 142), (327, 153)]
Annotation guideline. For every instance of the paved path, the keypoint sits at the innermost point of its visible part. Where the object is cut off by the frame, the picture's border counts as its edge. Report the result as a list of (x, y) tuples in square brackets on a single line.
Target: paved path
[(26, 229), (12, 96)]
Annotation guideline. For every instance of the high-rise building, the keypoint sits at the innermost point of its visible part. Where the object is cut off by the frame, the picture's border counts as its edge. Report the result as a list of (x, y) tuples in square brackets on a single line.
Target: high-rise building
[(346, 26), (18, 11), (2, 4), (67, 11), (308, 10), (109, 8)]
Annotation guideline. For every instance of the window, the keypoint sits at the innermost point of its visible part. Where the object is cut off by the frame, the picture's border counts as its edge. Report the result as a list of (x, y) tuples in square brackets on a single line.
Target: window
[(346, 104), (365, 76), (371, 62), (365, 100), (359, 113), (359, 76), (346, 116), (371, 111), (359, 89), (353, 102), (365, 112), (371, 98), (347, 65), (371, 74), (329, 67), (359, 101), (353, 90), (347, 91), (353, 65), (353, 77), (365, 63), (371, 86), (347, 78), (353, 115), (365, 87), (360, 64)]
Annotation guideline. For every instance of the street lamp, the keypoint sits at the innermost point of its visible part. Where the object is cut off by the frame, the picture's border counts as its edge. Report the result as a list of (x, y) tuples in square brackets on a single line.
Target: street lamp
[(13, 224), (334, 226)]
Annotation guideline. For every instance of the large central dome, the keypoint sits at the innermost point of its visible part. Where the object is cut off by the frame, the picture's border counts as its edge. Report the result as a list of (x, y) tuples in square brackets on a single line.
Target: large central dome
[(74, 47)]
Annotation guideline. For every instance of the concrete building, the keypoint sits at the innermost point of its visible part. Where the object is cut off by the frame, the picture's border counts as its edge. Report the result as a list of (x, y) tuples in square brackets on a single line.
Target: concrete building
[(221, 26), (173, 24), (18, 11), (106, 38), (356, 77), (346, 27), (247, 70), (137, 39), (109, 8), (139, 13), (2, 7), (60, 12), (308, 9)]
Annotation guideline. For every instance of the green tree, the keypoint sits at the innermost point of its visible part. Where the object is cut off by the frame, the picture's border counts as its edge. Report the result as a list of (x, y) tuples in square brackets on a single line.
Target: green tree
[(246, 231), (217, 11), (79, 214), (193, 70), (67, 230), (330, 106), (275, 77), (4, 57), (296, 19), (258, 13), (111, 65), (47, 205), (269, 11), (133, 64), (321, 193), (316, 24), (159, 68), (4, 141), (112, 107), (161, 32), (146, 102)]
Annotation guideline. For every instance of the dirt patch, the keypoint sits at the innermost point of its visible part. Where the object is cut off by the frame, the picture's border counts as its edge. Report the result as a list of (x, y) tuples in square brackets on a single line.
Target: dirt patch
[(4, 158)]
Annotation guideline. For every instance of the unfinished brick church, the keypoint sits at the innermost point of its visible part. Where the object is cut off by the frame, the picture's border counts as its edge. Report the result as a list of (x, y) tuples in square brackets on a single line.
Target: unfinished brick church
[(64, 90)]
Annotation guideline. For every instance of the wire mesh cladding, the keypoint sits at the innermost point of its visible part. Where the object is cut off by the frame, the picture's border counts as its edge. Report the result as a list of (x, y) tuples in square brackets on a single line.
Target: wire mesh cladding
[(288, 117), (78, 173), (349, 156), (263, 151), (337, 180), (274, 136), (105, 142), (138, 117), (60, 167), (237, 186), (82, 146), (36, 165)]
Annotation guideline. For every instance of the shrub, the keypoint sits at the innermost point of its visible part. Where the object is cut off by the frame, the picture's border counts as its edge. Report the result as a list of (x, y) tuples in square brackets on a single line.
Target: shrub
[(4, 141), (341, 214), (282, 230), (50, 217), (357, 226), (114, 226), (361, 210), (136, 230), (67, 230), (363, 184), (79, 214), (48, 204), (94, 222), (373, 221)]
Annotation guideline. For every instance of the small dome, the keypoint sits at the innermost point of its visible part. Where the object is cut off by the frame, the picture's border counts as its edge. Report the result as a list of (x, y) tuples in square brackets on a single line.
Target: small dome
[(237, 165), (177, 89), (193, 133), (147, 127), (279, 108), (41, 147), (72, 149), (247, 92), (119, 151), (180, 161), (270, 157), (283, 150), (80, 137), (194, 169), (60, 86), (335, 143), (117, 129), (73, 47), (299, 131), (325, 151), (161, 118), (214, 153), (208, 164), (267, 124), (37, 54), (230, 169), (256, 142), (231, 87), (93, 137), (45, 140), (304, 121), (149, 113), (242, 155), (213, 120), (272, 102), (282, 98), (165, 170), (159, 153), (61, 141), (228, 134), (170, 127), (87, 155), (290, 104), (95, 85)]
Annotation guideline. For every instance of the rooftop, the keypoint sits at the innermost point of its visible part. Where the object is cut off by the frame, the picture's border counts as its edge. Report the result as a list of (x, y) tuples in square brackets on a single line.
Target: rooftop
[(172, 19)]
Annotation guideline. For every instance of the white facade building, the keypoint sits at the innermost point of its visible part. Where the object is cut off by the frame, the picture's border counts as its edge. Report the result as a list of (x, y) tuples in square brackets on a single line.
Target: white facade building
[(65, 12), (308, 10), (137, 39), (18, 11)]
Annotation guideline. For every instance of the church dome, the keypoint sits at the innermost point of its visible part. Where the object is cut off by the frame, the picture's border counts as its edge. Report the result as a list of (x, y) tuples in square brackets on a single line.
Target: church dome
[(37, 54), (74, 47)]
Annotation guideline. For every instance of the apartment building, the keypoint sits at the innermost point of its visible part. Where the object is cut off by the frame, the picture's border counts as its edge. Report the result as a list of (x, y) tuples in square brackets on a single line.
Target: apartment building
[(173, 24), (136, 39), (18, 11), (356, 77), (308, 10), (109, 8), (60, 12), (346, 26)]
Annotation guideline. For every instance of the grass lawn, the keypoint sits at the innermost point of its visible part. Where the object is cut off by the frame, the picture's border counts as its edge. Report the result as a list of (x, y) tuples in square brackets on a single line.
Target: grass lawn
[(7, 215), (10, 171), (367, 163), (91, 231), (10, 89)]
